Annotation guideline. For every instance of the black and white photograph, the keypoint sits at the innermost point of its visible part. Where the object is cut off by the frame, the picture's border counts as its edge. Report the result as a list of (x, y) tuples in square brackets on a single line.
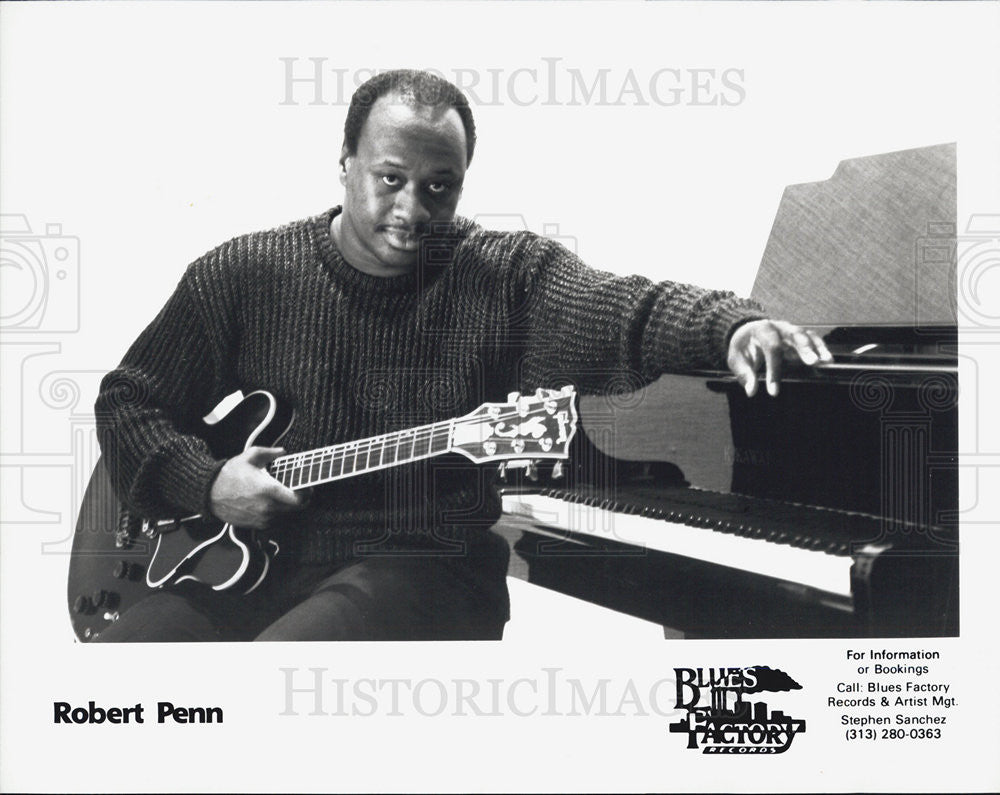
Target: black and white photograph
[(478, 396)]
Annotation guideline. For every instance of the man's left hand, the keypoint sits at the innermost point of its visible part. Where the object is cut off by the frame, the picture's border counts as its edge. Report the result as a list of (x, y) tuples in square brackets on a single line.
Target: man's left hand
[(769, 343)]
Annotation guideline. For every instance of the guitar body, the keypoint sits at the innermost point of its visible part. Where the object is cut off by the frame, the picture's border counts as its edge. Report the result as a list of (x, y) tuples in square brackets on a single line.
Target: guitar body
[(116, 562), (118, 557)]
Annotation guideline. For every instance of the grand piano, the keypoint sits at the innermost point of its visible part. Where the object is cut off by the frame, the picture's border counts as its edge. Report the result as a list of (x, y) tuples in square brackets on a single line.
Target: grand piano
[(828, 511)]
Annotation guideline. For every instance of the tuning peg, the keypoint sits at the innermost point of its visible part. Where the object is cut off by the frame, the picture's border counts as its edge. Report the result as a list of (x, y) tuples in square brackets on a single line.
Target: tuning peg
[(513, 397), (503, 470), (557, 470), (531, 470)]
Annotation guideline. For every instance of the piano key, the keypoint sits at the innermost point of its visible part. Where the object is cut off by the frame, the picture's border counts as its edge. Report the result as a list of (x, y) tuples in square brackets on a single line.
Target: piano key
[(814, 568)]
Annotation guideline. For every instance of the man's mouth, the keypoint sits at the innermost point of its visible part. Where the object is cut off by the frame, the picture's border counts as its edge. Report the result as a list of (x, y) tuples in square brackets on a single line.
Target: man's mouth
[(401, 238)]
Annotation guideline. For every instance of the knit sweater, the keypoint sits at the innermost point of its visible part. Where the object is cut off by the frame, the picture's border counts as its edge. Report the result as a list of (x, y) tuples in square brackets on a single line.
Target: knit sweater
[(357, 355)]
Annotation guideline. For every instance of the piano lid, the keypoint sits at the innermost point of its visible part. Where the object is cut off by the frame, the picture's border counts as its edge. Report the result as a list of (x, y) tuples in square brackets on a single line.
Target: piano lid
[(872, 245)]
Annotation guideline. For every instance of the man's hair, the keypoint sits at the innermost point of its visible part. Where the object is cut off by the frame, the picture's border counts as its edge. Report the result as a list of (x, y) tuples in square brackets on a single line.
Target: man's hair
[(419, 88)]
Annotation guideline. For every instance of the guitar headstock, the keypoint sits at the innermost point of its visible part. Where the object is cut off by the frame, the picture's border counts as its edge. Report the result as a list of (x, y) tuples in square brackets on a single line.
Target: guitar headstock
[(527, 426)]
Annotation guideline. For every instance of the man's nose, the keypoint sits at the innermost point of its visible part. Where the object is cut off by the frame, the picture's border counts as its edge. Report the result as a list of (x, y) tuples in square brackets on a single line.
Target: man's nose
[(409, 206)]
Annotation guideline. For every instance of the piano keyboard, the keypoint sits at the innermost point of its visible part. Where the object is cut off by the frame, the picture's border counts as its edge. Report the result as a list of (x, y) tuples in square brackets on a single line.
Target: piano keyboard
[(819, 560)]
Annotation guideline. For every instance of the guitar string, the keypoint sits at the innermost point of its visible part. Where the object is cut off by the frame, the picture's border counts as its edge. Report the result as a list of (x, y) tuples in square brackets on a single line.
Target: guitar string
[(304, 464), (420, 433), (312, 467), (306, 461)]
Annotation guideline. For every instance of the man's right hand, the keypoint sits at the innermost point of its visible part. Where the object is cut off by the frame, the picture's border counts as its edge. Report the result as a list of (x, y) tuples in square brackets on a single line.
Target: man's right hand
[(245, 495)]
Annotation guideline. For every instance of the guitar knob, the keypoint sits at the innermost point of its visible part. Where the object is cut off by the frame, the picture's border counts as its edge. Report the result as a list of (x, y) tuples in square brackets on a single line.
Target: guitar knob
[(108, 599), (557, 470), (81, 605), (121, 570)]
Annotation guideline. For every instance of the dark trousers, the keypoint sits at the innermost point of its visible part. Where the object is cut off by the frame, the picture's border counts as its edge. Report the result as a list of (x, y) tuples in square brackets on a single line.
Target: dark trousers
[(405, 595)]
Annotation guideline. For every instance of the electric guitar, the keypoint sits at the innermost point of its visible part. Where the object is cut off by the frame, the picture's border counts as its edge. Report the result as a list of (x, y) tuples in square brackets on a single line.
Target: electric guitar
[(118, 556)]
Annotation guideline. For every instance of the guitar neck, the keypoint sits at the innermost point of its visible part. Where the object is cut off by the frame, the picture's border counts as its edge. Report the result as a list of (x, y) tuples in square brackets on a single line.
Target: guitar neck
[(339, 461)]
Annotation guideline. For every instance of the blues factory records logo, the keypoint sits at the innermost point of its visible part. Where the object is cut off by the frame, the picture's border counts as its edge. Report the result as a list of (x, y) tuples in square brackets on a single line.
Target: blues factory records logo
[(720, 717)]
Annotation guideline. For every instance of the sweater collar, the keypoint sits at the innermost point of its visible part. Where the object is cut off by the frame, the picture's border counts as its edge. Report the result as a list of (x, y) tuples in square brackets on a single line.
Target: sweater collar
[(445, 241)]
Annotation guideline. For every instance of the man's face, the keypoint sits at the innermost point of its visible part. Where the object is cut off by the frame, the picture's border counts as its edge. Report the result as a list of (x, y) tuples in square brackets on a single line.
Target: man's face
[(407, 172)]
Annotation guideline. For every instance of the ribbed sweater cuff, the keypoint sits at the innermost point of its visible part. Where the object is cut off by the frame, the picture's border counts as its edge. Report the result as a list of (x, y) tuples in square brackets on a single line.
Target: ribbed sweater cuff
[(186, 482), (728, 318)]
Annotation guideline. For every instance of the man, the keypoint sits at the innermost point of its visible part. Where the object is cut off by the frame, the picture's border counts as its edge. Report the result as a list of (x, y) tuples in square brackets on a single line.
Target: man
[(384, 314)]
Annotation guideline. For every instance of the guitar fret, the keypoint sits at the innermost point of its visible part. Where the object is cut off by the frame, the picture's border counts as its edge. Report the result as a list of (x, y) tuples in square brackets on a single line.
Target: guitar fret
[(445, 433), (315, 469)]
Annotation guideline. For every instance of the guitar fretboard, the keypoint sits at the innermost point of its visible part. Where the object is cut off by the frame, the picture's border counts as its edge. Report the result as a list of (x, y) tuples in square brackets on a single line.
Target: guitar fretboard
[(326, 464)]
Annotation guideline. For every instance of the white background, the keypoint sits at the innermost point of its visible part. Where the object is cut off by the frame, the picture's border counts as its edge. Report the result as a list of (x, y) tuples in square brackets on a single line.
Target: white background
[(152, 132)]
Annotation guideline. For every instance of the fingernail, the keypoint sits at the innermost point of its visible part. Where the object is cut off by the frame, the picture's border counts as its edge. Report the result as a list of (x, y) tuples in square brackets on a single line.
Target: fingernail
[(809, 357), (772, 388)]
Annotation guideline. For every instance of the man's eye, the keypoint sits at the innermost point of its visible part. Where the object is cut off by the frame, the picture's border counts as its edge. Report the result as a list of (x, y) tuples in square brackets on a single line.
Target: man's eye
[(390, 179), (438, 188)]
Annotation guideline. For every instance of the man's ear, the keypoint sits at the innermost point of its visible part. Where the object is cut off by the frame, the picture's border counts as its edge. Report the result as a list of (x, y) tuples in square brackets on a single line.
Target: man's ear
[(345, 164)]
